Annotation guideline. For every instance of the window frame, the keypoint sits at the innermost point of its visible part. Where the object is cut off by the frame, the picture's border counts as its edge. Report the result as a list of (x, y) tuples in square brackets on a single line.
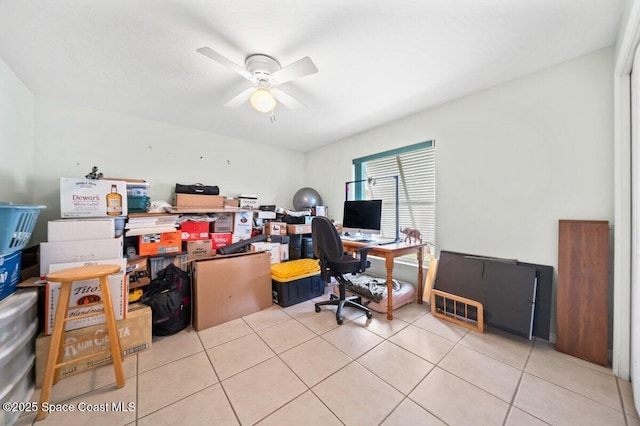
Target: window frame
[(359, 171)]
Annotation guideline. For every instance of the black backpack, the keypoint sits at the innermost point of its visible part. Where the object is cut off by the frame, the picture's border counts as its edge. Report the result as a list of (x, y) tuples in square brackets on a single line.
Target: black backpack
[(169, 296)]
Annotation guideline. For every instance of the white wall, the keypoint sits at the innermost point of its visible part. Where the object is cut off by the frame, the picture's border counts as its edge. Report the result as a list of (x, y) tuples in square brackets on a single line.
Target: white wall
[(70, 139), (16, 138), (510, 161)]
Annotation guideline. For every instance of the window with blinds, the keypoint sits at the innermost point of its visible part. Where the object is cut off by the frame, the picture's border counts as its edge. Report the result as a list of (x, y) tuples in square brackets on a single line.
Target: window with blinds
[(415, 167)]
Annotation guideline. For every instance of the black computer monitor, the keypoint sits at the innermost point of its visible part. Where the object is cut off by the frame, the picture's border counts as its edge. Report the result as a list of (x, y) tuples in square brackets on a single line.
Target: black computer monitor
[(362, 217)]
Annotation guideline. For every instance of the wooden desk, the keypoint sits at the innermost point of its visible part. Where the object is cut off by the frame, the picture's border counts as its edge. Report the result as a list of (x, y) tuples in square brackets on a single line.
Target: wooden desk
[(389, 252)]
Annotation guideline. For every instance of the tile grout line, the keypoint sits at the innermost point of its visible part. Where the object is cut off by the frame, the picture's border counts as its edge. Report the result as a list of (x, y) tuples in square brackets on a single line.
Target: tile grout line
[(224, 390), (515, 393)]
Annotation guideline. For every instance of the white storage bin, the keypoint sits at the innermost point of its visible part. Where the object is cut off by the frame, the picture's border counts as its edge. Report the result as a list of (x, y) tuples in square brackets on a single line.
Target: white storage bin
[(17, 357), (17, 312), (21, 391)]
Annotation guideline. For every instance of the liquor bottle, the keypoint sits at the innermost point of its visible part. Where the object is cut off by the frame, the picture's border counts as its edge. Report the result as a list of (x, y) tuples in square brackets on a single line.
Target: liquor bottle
[(114, 202)]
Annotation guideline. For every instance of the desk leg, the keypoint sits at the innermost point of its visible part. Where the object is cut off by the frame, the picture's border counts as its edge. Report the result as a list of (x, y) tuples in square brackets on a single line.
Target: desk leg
[(420, 276), (389, 265)]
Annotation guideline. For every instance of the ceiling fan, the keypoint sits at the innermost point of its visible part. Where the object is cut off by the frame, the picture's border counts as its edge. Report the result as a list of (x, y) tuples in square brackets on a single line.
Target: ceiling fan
[(265, 73)]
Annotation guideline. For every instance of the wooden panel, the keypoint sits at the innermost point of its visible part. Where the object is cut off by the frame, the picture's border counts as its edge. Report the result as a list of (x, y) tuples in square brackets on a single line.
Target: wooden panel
[(582, 309)]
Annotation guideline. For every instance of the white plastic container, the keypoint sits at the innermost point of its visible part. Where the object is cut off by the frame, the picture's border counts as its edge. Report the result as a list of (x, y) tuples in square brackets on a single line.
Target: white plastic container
[(17, 312), (17, 357), (20, 391)]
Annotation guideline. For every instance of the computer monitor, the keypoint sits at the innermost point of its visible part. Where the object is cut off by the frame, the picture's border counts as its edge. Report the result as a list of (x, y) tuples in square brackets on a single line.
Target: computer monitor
[(362, 217)]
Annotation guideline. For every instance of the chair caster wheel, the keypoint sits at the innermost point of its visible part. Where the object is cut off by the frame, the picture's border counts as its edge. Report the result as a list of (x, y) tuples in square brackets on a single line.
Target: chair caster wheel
[(339, 321), (317, 308), (369, 315)]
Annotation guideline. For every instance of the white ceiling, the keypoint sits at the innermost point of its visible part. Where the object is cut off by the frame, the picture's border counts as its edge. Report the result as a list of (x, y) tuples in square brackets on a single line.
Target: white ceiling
[(378, 60)]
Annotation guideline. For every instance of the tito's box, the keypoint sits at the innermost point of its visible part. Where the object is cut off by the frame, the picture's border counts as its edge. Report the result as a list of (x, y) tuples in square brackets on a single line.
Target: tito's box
[(92, 198), (134, 333), (87, 292)]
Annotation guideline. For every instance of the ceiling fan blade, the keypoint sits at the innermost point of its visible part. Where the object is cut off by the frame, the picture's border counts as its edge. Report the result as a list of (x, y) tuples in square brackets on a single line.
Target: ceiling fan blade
[(298, 69), (241, 98), (287, 100), (212, 54)]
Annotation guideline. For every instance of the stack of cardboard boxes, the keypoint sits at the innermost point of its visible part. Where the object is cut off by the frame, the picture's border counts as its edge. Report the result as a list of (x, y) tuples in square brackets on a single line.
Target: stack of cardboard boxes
[(86, 235), (201, 239)]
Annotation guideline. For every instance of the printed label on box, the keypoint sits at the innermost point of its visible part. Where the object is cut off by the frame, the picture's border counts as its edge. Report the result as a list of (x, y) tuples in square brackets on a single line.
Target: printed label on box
[(92, 198), (242, 224), (272, 248), (192, 231), (275, 228), (87, 292), (163, 243), (220, 239), (198, 249), (134, 333), (249, 203)]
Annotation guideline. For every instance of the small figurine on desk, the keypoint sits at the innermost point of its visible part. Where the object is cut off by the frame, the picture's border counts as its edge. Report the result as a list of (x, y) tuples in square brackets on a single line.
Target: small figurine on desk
[(411, 235)]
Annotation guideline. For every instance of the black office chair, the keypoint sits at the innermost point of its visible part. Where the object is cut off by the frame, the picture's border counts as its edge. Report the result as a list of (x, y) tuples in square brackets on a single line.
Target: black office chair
[(334, 262)]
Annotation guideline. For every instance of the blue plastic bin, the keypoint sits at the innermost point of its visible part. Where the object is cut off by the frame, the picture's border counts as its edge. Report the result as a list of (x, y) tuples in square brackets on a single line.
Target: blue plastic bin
[(16, 225), (9, 273)]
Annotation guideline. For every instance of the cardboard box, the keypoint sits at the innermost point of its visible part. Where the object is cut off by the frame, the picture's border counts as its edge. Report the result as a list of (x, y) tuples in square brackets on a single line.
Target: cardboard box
[(87, 292), (275, 228), (135, 337), (272, 248), (266, 215), (249, 203), (220, 239), (242, 225), (231, 202), (223, 223), (78, 251), (163, 243), (198, 200), (198, 249), (298, 229), (215, 301), (92, 198), (137, 272), (193, 231), (80, 229)]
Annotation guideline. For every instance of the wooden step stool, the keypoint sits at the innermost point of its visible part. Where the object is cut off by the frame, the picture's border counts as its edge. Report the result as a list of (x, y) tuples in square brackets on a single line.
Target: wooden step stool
[(67, 277)]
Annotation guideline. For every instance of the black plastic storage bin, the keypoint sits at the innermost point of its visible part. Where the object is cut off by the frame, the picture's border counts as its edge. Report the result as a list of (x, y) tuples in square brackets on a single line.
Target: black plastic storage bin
[(289, 293), (307, 247)]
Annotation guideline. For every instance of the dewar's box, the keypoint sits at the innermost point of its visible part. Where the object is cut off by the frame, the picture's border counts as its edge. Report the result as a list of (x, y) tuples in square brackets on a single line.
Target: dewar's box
[(92, 198)]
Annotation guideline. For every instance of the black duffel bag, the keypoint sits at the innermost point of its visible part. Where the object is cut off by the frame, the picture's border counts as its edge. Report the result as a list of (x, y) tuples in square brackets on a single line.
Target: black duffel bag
[(169, 296), (197, 188)]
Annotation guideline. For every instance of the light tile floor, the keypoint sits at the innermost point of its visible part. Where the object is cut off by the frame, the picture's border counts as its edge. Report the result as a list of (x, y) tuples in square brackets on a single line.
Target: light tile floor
[(294, 366)]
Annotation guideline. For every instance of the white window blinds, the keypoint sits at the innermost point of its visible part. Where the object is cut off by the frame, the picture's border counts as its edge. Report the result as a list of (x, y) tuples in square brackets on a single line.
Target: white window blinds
[(415, 168)]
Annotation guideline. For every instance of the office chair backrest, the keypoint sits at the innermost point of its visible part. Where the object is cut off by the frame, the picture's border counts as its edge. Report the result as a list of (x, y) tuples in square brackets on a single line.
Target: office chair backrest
[(326, 240)]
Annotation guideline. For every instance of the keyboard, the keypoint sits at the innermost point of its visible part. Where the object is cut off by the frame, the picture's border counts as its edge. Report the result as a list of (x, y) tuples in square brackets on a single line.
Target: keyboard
[(372, 241)]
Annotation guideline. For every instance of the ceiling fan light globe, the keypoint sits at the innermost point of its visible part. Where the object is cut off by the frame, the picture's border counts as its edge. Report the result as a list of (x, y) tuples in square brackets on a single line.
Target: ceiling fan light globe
[(262, 100)]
